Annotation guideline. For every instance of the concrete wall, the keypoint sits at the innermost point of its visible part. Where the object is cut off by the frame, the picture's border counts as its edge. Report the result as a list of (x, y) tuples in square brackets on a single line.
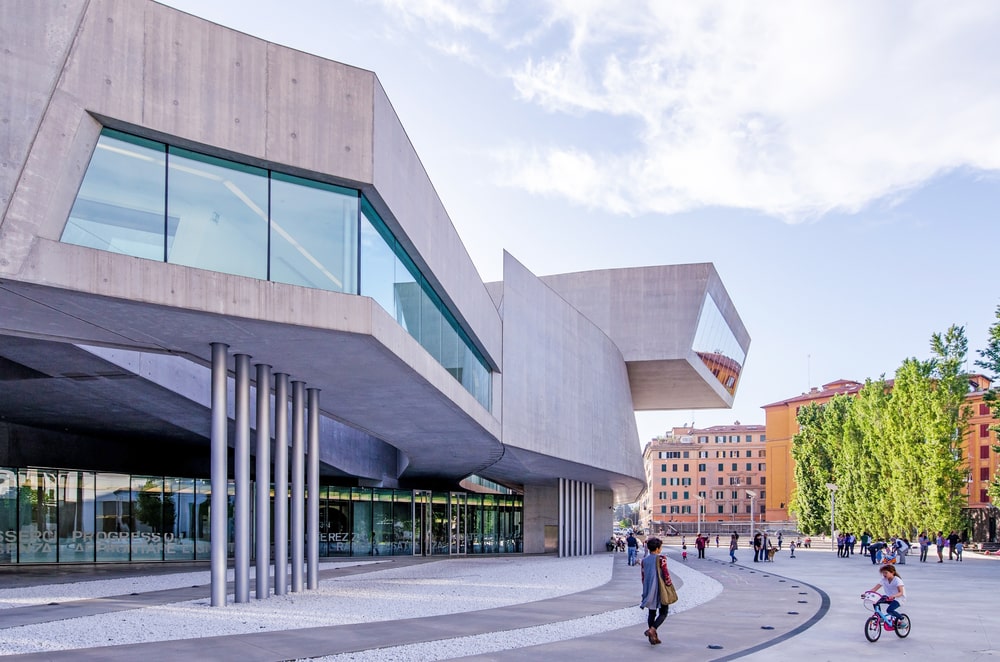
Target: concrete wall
[(150, 69), (566, 390), (541, 508)]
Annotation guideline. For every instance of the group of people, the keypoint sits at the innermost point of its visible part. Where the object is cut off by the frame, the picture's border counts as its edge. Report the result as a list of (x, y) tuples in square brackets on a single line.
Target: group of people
[(894, 550)]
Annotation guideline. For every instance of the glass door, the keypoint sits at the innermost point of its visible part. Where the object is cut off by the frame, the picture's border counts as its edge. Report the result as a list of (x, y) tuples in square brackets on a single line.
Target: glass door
[(421, 522)]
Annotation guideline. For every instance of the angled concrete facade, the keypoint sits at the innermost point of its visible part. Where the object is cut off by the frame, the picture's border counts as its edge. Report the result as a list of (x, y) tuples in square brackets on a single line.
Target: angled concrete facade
[(99, 349)]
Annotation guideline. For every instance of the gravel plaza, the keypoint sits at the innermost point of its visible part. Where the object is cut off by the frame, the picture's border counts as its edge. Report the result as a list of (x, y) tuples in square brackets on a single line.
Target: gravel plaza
[(526, 608)]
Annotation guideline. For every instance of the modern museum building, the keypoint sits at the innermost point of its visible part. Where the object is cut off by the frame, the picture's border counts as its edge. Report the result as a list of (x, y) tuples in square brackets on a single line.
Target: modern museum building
[(233, 307)]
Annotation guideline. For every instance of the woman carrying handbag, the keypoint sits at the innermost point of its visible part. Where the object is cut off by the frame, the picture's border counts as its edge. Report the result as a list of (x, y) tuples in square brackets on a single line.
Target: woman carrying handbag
[(658, 591)]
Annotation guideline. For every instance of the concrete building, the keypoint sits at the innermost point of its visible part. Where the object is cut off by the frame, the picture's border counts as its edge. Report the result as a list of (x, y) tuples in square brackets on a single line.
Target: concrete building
[(232, 307), (714, 469)]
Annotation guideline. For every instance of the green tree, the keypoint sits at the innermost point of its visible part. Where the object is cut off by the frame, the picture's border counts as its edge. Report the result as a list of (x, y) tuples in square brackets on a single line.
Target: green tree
[(813, 455), (989, 359)]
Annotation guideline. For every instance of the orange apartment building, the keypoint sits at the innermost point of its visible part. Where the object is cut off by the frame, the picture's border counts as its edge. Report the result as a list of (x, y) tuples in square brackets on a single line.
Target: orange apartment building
[(781, 425), (712, 467)]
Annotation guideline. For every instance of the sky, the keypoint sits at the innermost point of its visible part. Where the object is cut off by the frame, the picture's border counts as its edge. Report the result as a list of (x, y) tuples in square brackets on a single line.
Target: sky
[(838, 162)]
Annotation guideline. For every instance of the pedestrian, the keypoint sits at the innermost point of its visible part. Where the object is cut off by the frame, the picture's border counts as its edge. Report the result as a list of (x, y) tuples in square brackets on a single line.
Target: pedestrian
[(756, 547), (893, 591), (684, 552), (840, 545), (654, 568), (700, 543), (791, 548), (866, 539), (952, 541), (940, 546), (779, 541), (633, 547), (925, 542), (716, 540), (958, 550), (851, 541), (733, 545)]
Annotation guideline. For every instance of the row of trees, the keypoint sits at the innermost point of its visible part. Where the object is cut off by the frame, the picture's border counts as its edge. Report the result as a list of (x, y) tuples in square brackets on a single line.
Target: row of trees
[(894, 450)]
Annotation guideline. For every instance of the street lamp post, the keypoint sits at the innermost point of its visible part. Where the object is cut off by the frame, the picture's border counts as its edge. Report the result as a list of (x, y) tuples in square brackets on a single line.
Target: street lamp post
[(701, 501), (833, 510), (753, 497)]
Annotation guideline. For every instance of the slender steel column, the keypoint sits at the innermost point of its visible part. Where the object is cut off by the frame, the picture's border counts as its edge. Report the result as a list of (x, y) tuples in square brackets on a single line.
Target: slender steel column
[(241, 512), (562, 517), (280, 483), (262, 484), (298, 482), (312, 506), (220, 449)]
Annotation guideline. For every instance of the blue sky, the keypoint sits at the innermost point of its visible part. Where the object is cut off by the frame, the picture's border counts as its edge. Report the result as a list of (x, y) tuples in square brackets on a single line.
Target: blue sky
[(838, 162)]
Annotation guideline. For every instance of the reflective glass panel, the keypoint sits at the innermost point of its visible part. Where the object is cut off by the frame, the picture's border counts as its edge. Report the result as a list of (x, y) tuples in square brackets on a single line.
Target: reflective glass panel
[(37, 516), (717, 347), (8, 515), (489, 524), (154, 515), (221, 211), (402, 522), (198, 517), (378, 260), (361, 516), (76, 517), (382, 529), (179, 519), (440, 526), (120, 205), (314, 234), (339, 522), (114, 516)]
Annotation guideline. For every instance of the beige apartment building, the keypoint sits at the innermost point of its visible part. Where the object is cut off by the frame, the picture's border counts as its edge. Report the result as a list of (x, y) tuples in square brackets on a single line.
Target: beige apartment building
[(722, 469)]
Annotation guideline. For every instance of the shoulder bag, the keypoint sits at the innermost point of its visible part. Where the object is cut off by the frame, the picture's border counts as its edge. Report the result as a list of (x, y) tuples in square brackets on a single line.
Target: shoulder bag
[(668, 594)]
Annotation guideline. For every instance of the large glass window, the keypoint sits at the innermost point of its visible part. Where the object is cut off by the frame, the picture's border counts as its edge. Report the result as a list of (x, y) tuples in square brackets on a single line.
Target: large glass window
[(180, 519), (150, 200), (221, 211), (37, 516), (382, 529), (202, 523), (114, 517), (314, 234), (155, 513), (76, 516), (717, 346), (8, 515), (361, 515), (120, 206), (338, 522)]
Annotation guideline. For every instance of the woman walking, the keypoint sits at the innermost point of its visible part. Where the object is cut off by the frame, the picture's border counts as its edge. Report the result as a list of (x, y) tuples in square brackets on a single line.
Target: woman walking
[(734, 544), (651, 565)]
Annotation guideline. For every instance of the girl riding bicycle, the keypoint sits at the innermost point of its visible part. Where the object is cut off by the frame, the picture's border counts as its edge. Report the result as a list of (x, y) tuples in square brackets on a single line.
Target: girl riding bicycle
[(893, 590)]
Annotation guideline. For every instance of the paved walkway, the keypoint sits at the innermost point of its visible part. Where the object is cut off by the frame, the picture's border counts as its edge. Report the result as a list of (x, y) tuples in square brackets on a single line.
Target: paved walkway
[(802, 608)]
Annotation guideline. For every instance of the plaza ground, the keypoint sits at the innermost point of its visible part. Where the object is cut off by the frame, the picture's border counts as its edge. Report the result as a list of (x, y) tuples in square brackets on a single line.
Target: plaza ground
[(808, 607)]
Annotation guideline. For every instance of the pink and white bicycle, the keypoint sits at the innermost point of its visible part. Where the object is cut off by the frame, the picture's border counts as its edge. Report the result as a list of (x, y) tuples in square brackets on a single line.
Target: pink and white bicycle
[(879, 620)]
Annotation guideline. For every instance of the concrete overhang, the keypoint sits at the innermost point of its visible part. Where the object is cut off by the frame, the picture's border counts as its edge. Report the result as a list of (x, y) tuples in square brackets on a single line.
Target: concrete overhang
[(372, 374)]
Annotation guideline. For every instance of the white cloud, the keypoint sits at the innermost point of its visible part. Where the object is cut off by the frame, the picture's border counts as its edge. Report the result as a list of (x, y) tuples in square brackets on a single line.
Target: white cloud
[(791, 108)]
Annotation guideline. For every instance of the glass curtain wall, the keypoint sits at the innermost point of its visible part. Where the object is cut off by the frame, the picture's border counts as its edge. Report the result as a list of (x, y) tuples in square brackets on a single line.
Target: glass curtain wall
[(154, 201), (68, 516)]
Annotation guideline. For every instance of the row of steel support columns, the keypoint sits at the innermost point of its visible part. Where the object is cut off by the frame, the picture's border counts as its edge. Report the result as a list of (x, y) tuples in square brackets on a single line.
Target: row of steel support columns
[(301, 525), (576, 518)]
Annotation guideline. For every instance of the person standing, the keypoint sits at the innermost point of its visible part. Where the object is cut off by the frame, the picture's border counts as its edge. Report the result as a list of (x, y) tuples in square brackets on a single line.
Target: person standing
[(866, 539), (733, 545), (756, 547), (779, 541), (716, 540), (654, 567), (952, 541), (633, 547), (700, 543), (925, 542), (939, 541)]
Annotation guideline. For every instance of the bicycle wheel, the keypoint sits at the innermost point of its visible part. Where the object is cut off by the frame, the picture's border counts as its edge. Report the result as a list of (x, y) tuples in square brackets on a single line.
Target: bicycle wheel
[(873, 628), (902, 626)]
